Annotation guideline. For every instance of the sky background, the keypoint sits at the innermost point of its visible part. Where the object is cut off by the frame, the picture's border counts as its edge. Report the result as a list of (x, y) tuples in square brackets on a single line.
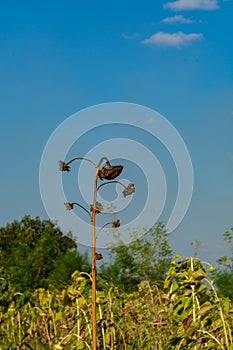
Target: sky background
[(57, 58)]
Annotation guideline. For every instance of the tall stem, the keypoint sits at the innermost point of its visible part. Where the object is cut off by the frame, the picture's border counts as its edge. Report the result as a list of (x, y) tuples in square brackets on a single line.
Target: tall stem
[(193, 298), (93, 265)]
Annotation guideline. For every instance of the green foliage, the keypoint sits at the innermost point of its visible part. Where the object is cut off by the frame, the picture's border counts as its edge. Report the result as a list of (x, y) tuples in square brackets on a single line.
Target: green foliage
[(65, 264), (200, 318), (224, 275), (146, 258), (145, 299), (184, 313), (33, 251), (224, 283)]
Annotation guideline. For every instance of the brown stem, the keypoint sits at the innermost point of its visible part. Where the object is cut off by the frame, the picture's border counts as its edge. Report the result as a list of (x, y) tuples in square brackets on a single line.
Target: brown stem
[(80, 158), (111, 182), (101, 228), (81, 206), (101, 161), (93, 265)]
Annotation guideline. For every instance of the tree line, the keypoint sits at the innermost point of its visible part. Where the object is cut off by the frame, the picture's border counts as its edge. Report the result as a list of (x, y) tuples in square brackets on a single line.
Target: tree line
[(35, 253)]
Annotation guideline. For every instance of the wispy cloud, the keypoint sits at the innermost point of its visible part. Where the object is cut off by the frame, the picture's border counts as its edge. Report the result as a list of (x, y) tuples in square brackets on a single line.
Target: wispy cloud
[(174, 40), (183, 5), (179, 19), (130, 37)]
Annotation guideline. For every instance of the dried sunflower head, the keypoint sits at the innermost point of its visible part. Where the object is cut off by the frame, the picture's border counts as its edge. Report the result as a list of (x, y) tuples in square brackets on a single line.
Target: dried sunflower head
[(116, 224), (130, 189), (98, 256), (98, 208), (110, 172), (63, 166), (69, 206)]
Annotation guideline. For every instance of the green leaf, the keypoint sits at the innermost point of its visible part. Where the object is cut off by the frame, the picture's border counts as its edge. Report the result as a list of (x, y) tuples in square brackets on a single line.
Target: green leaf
[(204, 310), (166, 283), (80, 345), (226, 305), (57, 347), (58, 315), (199, 274), (177, 256), (176, 338)]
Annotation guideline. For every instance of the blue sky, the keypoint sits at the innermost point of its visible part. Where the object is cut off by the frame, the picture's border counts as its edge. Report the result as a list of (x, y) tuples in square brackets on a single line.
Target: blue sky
[(175, 57)]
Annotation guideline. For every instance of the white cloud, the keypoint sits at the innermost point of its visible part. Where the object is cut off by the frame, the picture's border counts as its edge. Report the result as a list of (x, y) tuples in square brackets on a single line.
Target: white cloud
[(175, 39), (182, 5), (178, 19)]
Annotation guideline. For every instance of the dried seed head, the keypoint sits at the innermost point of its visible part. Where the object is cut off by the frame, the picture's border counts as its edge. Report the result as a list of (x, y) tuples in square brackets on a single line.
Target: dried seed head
[(116, 224), (98, 208), (69, 206), (110, 172), (130, 189), (63, 166), (98, 256)]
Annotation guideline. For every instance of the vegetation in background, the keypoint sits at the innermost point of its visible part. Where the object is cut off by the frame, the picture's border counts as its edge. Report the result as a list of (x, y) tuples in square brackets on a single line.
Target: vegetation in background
[(224, 275), (146, 299), (146, 258), (34, 252)]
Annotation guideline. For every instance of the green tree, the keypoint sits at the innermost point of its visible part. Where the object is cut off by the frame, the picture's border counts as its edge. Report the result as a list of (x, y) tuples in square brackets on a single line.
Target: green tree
[(224, 275), (65, 264), (32, 251), (146, 258)]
